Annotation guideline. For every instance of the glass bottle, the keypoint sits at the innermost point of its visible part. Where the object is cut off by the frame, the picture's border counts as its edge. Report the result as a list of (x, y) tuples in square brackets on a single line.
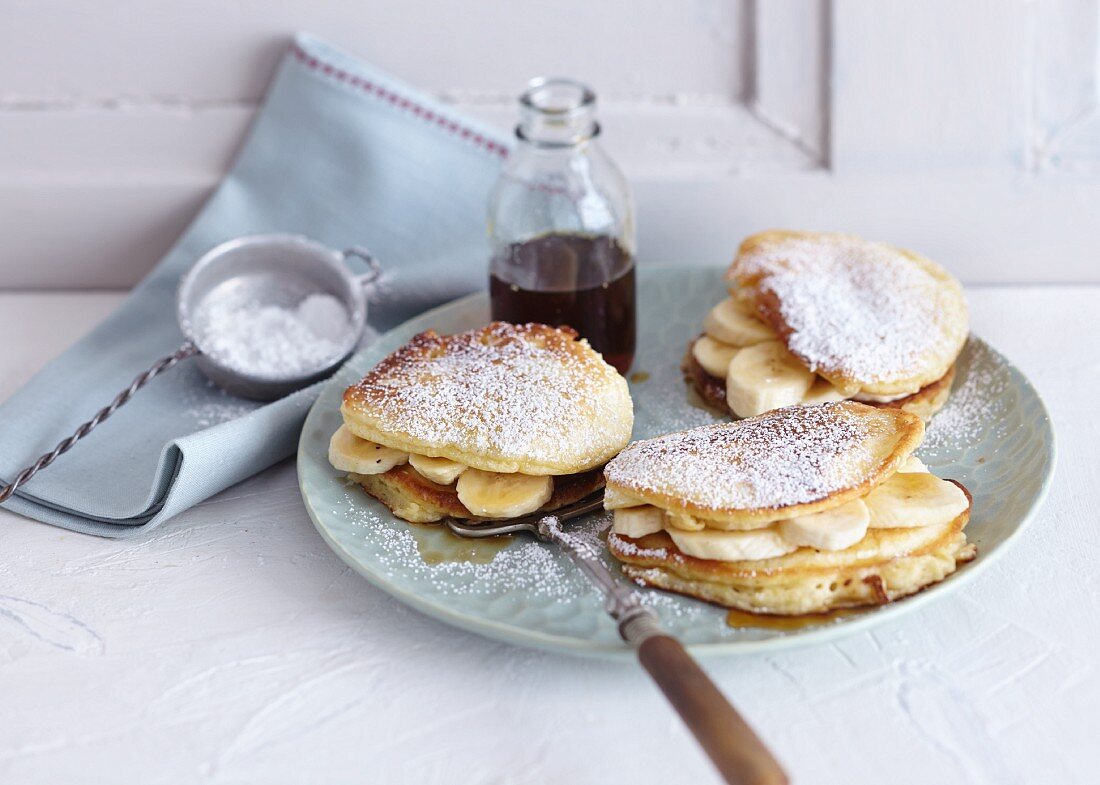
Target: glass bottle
[(561, 225)]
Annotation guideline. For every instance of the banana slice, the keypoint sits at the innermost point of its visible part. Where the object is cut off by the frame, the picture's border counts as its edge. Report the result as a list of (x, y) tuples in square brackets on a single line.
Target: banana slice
[(683, 521), (441, 470), (765, 377), (869, 398), (913, 499), (713, 355), (832, 530), (732, 322), (913, 464), (638, 521), (614, 499), (493, 495), (348, 453), (732, 546), (821, 391)]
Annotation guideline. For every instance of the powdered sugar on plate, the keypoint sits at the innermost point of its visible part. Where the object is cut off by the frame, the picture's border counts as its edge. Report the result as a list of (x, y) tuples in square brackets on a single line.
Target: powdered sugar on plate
[(976, 408), (859, 309), (526, 566)]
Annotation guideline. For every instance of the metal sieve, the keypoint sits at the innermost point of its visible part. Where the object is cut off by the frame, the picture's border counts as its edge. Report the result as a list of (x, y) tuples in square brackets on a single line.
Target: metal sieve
[(266, 269)]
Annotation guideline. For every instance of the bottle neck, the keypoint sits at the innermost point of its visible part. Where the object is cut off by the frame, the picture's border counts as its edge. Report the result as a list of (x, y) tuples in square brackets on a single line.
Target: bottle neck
[(557, 113)]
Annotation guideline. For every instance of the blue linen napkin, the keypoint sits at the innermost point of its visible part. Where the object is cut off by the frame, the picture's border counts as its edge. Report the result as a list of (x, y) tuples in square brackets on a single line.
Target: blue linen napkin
[(341, 152)]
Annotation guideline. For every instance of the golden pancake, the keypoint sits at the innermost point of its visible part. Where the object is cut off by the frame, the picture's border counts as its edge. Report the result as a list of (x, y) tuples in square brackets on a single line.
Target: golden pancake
[(795, 589), (800, 510), (867, 316), (502, 398), (746, 474), (493, 423)]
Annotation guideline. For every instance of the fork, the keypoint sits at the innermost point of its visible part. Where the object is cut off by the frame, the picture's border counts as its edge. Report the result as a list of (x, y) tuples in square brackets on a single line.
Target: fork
[(735, 749)]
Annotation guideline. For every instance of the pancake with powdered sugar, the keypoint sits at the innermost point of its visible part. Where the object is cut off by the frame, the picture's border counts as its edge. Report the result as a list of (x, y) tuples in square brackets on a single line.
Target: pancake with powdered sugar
[(869, 317), (502, 398), (747, 474), (493, 423), (800, 510)]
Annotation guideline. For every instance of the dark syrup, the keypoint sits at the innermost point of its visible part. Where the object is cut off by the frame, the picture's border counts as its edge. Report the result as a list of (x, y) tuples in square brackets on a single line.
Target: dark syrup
[(583, 281)]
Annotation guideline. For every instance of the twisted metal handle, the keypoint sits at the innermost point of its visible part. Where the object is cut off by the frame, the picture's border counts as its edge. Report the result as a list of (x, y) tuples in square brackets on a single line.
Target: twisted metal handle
[(188, 349)]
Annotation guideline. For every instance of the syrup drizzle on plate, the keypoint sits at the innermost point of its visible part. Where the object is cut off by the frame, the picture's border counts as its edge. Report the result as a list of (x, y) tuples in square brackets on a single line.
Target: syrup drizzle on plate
[(437, 545), (744, 619)]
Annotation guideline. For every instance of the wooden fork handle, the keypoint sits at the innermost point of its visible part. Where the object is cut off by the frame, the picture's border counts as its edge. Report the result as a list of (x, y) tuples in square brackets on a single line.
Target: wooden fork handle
[(732, 745), (729, 741)]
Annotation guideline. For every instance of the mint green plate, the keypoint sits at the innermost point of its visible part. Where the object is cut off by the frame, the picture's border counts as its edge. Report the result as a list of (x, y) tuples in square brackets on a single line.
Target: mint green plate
[(994, 435)]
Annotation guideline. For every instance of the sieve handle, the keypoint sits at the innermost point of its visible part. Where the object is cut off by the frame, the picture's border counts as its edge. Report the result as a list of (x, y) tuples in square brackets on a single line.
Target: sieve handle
[(374, 267), (188, 349)]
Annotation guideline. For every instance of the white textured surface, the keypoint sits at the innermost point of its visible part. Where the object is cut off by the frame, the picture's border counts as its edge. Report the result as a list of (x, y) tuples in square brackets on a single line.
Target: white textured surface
[(230, 646)]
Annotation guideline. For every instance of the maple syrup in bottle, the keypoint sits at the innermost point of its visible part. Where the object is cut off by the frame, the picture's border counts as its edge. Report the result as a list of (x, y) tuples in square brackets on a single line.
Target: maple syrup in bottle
[(570, 279), (561, 225)]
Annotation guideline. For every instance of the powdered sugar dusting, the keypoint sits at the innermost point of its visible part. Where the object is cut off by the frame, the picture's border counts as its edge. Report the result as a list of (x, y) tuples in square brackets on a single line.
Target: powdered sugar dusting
[(630, 547), (977, 405), (205, 404), (218, 407), (527, 567), (785, 457), (859, 309), (518, 392)]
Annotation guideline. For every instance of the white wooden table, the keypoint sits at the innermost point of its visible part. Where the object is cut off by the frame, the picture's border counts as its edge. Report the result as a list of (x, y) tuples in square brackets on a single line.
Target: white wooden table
[(231, 646)]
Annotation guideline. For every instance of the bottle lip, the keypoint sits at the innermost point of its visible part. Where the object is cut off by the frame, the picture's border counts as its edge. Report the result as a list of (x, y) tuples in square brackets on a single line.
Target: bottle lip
[(559, 101), (542, 90)]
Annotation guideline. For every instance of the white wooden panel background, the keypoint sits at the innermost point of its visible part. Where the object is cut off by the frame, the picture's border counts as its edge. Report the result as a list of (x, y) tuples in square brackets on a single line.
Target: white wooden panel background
[(968, 130)]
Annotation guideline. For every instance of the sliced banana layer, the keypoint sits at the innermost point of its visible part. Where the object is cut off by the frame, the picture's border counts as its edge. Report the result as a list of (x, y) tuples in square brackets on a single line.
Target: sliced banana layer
[(713, 355), (348, 453), (913, 464), (493, 495), (765, 377), (832, 530), (638, 521), (869, 398), (441, 470), (683, 521), (732, 546), (821, 391), (910, 499), (733, 323)]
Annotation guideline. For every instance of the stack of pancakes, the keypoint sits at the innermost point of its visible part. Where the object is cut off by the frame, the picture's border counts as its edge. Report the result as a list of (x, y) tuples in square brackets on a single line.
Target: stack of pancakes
[(800, 510), (813, 318), (492, 423)]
